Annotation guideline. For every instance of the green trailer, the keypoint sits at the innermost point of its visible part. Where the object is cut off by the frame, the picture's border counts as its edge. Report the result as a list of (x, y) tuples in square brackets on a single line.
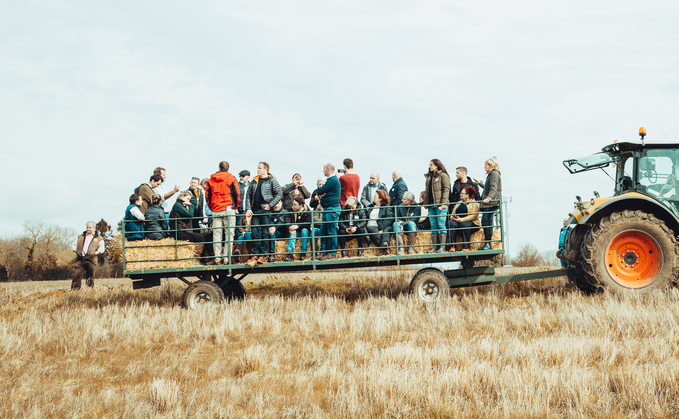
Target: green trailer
[(217, 283)]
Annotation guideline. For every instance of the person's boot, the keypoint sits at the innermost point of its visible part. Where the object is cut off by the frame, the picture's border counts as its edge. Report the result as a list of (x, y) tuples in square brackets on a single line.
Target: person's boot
[(442, 248), (412, 237), (75, 285), (486, 246), (90, 282), (434, 243), (399, 238)]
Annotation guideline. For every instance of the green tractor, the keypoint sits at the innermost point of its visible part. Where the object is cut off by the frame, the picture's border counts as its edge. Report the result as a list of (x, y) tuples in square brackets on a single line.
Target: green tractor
[(626, 243)]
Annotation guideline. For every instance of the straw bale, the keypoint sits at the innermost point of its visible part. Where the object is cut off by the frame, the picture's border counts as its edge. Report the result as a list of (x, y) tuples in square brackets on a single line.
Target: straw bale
[(154, 251), (422, 243)]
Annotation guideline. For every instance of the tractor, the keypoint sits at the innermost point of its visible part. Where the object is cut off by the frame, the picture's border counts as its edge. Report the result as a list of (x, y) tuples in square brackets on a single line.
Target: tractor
[(626, 243)]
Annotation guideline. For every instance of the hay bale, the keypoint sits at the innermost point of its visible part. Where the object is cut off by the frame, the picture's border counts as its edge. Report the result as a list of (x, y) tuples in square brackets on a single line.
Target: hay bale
[(159, 254), (422, 243)]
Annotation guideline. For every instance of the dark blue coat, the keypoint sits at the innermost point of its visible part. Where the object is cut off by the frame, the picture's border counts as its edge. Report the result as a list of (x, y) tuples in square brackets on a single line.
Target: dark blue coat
[(134, 227), (397, 190)]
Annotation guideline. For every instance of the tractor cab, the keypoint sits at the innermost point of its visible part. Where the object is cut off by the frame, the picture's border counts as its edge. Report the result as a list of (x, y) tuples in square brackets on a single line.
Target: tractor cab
[(651, 169)]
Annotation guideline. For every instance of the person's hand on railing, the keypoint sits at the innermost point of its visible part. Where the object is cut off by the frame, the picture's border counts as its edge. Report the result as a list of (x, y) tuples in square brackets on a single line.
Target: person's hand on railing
[(248, 213), (442, 207)]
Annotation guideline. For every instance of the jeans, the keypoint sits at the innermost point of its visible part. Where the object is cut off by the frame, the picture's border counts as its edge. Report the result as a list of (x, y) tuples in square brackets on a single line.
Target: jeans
[(304, 240), (245, 236), (487, 221), (437, 218), (276, 234), (329, 229), (409, 227), (223, 223), (260, 231)]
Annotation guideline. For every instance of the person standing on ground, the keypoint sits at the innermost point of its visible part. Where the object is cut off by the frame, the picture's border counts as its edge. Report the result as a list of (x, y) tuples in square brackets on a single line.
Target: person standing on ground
[(369, 190), (437, 194), (87, 247), (397, 189), (263, 194), (223, 198), (350, 182), (330, 205), (490, 200), (162, 191)]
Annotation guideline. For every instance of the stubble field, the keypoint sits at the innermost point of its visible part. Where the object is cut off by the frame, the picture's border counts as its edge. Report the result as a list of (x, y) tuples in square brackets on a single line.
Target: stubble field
[(337, 345)]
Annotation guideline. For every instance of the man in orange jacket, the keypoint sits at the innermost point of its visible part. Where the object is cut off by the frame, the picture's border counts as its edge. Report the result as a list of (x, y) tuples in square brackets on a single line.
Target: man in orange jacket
[(223, 198)]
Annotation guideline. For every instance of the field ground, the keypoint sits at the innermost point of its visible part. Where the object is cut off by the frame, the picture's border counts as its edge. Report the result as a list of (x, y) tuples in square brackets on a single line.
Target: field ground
[(337, 345)]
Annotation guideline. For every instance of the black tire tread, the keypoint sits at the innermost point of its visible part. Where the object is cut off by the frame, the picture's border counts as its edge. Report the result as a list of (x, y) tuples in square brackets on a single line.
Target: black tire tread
[(591, 244)]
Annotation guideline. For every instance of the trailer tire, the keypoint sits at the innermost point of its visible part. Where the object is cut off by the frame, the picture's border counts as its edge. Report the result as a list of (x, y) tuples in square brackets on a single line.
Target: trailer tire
[(430, 285), (202, 293), (630, 252), (233, 290)]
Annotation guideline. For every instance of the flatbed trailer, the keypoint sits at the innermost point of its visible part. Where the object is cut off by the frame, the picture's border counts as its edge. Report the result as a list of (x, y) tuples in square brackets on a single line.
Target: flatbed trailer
[(214, 283)]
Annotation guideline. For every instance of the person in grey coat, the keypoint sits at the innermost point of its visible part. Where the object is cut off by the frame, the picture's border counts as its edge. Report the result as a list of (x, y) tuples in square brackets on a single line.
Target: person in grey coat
[(155, 224), (264, 192), (369, 190), (490, 200)]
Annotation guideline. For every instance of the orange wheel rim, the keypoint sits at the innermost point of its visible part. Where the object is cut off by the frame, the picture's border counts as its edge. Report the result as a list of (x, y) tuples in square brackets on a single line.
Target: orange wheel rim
[(633, 259)]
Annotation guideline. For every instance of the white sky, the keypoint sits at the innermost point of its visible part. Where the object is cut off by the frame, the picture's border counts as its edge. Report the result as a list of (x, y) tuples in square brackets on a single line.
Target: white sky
[(94, 95)]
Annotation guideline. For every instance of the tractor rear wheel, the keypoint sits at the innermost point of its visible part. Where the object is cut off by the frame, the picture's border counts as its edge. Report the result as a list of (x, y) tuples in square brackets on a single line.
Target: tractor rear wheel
[(630, 251)]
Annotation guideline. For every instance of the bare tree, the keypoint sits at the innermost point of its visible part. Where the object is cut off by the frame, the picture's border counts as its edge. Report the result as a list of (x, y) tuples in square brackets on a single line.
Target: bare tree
[(528, 255)]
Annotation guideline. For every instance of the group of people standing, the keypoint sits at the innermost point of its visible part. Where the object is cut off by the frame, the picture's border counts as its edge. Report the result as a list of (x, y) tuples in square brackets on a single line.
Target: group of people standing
[(251, 214)]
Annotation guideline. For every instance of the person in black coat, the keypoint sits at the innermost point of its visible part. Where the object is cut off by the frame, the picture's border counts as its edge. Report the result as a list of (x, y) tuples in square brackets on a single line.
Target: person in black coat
[(380, 220), (352, 222), (462, 182)]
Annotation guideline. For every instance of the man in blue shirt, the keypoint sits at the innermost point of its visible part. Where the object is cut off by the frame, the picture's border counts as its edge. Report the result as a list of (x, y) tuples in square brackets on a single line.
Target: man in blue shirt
[(330, 205)]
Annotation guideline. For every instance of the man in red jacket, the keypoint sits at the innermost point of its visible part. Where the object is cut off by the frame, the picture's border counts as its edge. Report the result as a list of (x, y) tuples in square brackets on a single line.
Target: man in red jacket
[(223, 198)]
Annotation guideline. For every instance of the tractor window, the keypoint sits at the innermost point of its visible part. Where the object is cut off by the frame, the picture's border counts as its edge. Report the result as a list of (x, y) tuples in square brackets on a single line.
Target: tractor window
[(659, 175)]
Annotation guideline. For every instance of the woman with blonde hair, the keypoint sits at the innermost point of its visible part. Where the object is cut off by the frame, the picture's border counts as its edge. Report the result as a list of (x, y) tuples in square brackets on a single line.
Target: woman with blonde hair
[(491, 199)]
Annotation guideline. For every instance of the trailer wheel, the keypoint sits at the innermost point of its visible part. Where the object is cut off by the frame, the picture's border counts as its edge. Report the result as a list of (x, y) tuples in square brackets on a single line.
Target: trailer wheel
[(430, 285), (630, 251), (202, 293), (233, 290)]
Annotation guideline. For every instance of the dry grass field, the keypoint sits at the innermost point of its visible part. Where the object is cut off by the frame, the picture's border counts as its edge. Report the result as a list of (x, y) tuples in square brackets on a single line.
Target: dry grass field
[(337, 345)]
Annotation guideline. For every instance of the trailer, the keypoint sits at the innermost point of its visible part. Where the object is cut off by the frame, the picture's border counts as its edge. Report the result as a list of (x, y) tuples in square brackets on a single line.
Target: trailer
[(213, 284)]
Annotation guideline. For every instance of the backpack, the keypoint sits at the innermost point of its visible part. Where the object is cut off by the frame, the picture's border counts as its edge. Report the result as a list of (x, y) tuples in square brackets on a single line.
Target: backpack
[(136, 190)]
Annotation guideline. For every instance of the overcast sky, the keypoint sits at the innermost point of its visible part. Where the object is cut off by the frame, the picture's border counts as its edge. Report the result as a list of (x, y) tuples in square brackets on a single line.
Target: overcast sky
[(94, 95)]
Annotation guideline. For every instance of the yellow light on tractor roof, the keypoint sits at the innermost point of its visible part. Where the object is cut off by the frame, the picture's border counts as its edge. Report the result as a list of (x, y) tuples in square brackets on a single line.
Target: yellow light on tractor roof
[(642, 134)]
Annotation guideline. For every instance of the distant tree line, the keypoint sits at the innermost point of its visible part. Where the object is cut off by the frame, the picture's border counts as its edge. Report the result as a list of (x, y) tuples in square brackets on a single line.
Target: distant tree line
[(44, 252)]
